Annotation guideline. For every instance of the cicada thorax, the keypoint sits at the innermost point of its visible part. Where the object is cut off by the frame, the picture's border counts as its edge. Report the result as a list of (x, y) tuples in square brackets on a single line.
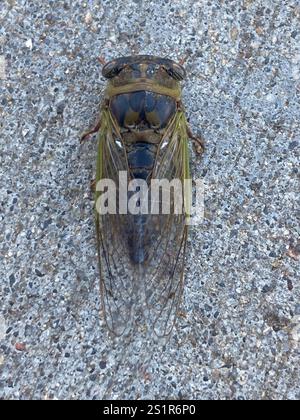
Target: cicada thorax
[(142, 117)]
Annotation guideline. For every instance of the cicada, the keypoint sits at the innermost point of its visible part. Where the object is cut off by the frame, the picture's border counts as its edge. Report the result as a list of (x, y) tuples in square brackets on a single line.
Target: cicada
[(143, 135)]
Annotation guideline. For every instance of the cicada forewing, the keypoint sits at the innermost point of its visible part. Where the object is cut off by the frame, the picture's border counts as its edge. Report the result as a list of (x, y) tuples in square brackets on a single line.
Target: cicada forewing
[(116, 270), (163, 282)]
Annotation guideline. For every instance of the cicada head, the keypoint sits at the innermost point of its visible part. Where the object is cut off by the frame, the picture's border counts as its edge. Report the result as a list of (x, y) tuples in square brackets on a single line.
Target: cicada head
[(144, 69)]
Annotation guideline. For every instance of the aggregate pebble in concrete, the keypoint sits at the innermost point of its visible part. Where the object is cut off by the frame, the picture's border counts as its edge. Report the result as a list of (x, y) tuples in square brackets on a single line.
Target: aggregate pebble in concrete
[(238, 336)]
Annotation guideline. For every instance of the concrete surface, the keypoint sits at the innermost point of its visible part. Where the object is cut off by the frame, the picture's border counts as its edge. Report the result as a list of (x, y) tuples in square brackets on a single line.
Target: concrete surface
[(238, 335)]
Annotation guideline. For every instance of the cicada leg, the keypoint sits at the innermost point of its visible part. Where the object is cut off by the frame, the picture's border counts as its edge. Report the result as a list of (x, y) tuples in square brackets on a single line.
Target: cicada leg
[(86, 134), (184, 58), (102, 60), (93, 185), (197, 140)]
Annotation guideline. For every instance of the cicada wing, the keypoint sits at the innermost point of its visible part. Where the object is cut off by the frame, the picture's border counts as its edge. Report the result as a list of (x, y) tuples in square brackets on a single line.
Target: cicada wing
[(167, 231), (117, 274)]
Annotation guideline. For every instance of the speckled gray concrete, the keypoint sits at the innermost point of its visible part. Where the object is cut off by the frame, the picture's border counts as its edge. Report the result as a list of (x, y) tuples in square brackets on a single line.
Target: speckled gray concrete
[(239, 335)]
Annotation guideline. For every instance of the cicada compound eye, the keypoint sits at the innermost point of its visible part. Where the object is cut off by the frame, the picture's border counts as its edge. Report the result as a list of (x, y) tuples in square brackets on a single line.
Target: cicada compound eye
[(176, 71), (111, 69)]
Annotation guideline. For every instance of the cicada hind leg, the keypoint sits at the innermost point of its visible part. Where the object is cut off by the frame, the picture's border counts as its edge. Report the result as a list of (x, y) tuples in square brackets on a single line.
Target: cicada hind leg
[(88, 133), (197, 140)]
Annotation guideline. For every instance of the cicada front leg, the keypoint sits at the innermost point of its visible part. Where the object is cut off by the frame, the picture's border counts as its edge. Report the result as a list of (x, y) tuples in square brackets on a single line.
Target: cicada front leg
[(197, 140), (184, 58), (88, 133), (93, 186), (101, 60)]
